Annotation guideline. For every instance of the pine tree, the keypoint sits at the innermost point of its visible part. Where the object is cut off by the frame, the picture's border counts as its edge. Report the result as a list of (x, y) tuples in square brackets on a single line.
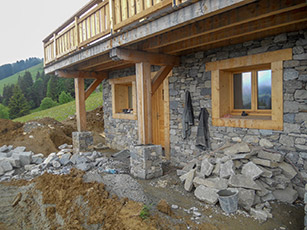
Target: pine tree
[(18, 105), (4, 112), (52, 88)]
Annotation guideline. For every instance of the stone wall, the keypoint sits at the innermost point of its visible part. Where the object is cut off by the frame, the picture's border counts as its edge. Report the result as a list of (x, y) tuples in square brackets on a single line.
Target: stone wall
[(120, 134), (192, 76)]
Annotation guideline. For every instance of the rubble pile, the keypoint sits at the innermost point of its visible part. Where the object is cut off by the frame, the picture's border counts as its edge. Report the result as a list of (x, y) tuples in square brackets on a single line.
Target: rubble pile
[(17, 163), (260, 175)]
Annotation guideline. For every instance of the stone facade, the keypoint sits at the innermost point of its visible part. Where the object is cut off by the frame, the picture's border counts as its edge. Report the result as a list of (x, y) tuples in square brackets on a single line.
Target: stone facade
[(192, 76), (82, 142)]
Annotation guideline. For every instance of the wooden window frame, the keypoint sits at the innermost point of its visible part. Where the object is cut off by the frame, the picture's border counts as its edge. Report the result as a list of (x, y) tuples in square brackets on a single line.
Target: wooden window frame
[(221, 75), (125, 81)]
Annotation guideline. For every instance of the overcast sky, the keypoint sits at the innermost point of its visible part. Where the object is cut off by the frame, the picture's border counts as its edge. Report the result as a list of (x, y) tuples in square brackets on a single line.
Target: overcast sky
[(25, 23)]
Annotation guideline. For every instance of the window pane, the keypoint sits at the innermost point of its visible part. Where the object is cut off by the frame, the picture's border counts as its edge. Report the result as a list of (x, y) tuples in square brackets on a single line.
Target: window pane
[(242, 87), (264, 80)]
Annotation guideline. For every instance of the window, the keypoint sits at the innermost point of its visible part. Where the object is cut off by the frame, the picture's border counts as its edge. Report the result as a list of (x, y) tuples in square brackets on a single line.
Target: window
[(124, 98), (247, 92), (251, 92)]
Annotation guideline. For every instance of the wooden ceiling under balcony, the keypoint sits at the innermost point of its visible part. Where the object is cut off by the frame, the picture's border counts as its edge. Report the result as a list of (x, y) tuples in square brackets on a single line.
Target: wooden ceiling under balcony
[(176, 34)]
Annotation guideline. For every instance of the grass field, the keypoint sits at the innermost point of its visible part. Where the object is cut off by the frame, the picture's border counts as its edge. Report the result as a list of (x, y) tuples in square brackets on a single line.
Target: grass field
[(62, 112), (14, 78)]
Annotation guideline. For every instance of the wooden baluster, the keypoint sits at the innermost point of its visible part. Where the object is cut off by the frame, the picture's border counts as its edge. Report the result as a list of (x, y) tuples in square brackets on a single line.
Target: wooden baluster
[(76, 34)]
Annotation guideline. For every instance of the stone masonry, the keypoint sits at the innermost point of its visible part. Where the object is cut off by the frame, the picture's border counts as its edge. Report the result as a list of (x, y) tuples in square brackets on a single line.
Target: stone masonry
[(146, 161), (192, 76), (82, 141)]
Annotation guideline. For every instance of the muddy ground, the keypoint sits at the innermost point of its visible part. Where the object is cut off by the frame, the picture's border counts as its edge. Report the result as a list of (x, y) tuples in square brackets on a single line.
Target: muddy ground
[(66, 199)]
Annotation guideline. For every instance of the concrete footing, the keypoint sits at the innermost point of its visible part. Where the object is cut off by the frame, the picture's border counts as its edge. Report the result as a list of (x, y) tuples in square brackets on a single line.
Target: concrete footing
[(146, 161), (82, 142)]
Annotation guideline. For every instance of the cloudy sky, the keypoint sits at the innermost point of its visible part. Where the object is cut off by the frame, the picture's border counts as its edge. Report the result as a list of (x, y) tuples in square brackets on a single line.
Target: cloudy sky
[(25, 23)]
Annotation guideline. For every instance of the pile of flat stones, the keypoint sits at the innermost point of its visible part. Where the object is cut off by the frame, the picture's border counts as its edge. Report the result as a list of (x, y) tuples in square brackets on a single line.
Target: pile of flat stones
[(259, 175), (17, 163)]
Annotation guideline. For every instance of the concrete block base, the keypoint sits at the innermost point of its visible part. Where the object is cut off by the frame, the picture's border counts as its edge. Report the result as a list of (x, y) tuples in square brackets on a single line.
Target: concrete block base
[(146, 161), (82, 142)]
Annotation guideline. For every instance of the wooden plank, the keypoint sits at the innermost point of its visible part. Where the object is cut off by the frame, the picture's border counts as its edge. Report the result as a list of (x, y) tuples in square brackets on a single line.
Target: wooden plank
[(257, 59), (277, 93), (132, 7), (160, 77), (167, 144), (80, 104), (139, 6), (124, 8), (143, 83), (222, 21), (92, 87), (123, 80), (224, 93), (81, 74), (215, 92), (118, 14), (107, 27), (268, 23), (139, 56)]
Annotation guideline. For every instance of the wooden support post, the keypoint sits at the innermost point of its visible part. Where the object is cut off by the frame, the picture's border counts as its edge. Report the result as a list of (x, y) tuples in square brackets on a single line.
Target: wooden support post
[(159, 77), (92, 87), (143, 84), (80, 104)]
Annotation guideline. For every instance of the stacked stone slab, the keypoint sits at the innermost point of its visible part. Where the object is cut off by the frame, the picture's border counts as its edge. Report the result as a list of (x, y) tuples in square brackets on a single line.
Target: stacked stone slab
[(146, 161), (305, 201), (260, 175)]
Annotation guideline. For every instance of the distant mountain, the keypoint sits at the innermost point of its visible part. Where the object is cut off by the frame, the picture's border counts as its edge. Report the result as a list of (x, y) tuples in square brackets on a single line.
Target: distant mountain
[(10, 69)]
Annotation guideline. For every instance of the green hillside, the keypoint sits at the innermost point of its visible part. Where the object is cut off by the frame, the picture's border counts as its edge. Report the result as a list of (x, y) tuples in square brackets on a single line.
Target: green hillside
[(14, 78), (62, 112)]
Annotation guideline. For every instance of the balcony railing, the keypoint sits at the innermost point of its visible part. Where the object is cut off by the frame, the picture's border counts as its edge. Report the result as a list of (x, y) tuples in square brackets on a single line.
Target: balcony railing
[(96, 20)]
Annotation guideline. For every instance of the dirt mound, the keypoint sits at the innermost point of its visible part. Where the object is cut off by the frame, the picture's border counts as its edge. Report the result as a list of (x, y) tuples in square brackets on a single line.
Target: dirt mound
[(46, 134)]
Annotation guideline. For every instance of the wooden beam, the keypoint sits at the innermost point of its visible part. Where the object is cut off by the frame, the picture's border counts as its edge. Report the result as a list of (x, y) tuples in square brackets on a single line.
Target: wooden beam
[(81, 74), (80, 104), (159, 78), (94, 62), (92, 87), (140, 56), (251, 12), (143, 85), (268, 23)]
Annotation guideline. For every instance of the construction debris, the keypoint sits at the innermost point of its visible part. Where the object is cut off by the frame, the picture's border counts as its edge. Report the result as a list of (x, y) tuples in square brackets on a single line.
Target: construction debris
[(259, 176)]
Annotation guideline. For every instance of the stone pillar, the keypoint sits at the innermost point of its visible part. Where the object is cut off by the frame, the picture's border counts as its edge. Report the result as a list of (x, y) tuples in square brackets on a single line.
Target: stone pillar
[(146, 161), (305, 201), (82, 142)]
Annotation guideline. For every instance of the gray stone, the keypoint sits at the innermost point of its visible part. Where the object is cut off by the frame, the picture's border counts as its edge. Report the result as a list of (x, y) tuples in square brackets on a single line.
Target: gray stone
[(65, 159), (189, 166), (1, 171), (300, 95), (264, 191), (49, 158), (19, 149), (251, 170), (216, 170), (206, 167), (290, 74), (288, 170), (300, 56), (56, 164), (259, 214), (266, 132), (291, 107), (246, 198), (251, 139), (298, 50), (83, 166), (266, 143), (24, 157), (276, 157), (217, 183), (236, 139), (3, 155), (301, 117), (13, 161), (4, 148), (237, 148), (280, 38), (291, 128), (242, 181), (301, 42), (90, 177), (227, 169), (268, 197), (78, 159), (289, 195), (6, 165), (124, 185), (264, 162), (37, 158), (30, 167), (300, 141), (286, 140), (188, 184), (208, 195), (82, 142), (301, 147), (289, 117), (180, 172), (266, 172)]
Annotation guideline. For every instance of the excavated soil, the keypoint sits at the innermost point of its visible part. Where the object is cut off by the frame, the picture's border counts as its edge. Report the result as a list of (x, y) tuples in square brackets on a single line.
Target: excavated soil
[(50, 134)]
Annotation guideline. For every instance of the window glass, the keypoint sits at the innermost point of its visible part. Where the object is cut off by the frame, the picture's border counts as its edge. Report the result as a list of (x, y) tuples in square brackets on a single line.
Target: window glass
[(242, 87), (264, 82)]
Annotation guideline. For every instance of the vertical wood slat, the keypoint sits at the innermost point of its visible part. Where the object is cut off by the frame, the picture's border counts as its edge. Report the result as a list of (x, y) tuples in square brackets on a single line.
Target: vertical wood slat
[(117, 6), (124, 8), (148, 4), (107, 18), (131, 6), (277, 92), (102, 12), (97, 22), (139, 6)]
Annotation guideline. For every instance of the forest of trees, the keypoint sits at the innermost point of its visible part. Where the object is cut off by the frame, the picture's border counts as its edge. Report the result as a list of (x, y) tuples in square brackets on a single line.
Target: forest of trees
[(10, 69), (44, 92)]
